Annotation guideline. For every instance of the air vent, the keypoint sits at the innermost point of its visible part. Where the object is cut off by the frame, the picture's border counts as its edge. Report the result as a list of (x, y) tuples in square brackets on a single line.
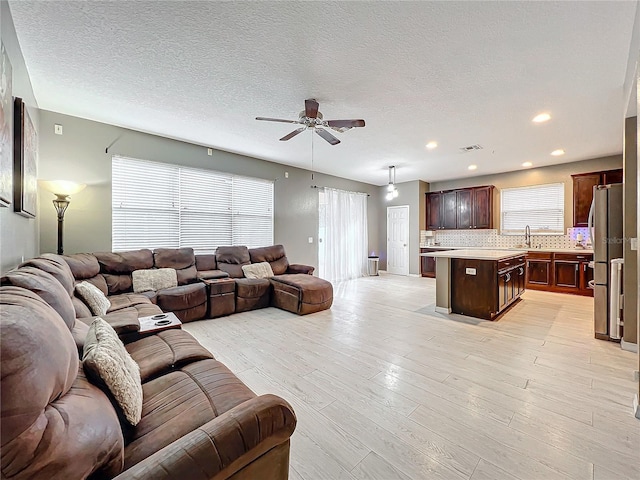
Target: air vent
[(470, 148)]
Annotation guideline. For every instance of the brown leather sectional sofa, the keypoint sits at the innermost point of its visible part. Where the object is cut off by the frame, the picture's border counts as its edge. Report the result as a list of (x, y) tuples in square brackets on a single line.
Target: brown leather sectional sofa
[(199, 421)]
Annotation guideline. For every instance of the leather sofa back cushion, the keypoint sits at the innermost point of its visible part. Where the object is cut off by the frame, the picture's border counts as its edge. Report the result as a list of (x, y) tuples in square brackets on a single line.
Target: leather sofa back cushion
[(46, 287), (154, 279), (206, 262), (118, 283), (83, 265), (56, 266), (182, 260), (115, 263), (274, 255), (231, 259), (105, 359)]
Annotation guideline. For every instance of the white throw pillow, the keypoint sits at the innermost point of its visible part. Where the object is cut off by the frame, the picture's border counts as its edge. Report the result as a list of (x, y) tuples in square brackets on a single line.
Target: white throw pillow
[(97, 302), (154, 279), (105, 358), (258, 270)]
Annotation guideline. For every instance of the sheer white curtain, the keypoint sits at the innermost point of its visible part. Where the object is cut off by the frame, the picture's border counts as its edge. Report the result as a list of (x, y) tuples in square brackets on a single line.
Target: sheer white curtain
[(343, 235)]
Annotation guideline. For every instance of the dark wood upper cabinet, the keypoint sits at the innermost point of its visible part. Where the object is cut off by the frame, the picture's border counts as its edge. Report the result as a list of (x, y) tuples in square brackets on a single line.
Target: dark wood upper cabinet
[(583, 192), (449, 210), (464, 212), (483, 207), (460, 209), (434, 211)]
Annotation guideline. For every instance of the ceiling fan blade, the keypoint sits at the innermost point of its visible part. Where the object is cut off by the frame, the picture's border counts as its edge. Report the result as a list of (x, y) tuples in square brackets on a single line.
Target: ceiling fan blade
[(327, 136), (345, 123), (311, 108), (293, 134), (266, 119)]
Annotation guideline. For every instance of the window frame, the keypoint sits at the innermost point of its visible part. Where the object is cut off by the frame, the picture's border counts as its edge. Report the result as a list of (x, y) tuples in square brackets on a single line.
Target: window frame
[(534, 231)]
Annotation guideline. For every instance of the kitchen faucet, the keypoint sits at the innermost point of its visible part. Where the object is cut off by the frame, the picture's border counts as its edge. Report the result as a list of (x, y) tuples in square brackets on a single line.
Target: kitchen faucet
[(527, 236)]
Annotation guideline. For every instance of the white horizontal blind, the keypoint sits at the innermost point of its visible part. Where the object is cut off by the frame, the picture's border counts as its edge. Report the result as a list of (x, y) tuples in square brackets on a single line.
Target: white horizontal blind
[(539, 206), (145, 205), (160, 205)]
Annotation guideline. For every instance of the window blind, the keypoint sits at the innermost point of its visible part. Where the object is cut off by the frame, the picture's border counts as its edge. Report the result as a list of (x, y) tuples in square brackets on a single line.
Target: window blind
[(160, 205), (539, 206)]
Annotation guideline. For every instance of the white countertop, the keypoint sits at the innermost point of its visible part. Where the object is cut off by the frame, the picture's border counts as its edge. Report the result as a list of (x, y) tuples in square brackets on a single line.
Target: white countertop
[(476, 254), (559, 250)]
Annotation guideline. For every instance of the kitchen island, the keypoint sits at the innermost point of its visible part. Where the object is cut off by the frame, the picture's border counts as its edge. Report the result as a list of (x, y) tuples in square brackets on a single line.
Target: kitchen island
[(478, 283)]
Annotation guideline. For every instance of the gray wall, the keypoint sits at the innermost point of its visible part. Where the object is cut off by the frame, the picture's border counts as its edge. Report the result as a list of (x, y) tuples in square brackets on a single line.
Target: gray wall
[(536, 176), (411, 194), (79, 155), (18, 234), (630, 229)]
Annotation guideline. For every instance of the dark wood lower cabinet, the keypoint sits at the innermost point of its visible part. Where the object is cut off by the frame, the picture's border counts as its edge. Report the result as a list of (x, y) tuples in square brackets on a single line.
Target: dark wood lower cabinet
[(428, 264), (559, 272), (485, 288)]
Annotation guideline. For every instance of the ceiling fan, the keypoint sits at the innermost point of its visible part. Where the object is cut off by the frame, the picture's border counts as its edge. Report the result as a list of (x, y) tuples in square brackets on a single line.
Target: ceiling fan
[(310, 117)]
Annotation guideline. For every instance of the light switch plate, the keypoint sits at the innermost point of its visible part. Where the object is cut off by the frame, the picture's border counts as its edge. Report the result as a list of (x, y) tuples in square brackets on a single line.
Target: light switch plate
[(210, 151), (634, 243), (310, 239), (470, 271), (57, 129)]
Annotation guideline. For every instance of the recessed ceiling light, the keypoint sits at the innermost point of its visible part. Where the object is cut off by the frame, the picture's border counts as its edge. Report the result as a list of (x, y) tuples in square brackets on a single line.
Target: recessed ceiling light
[(527, 164), (541, 118), (558, 152), (472, 167), (431, 145)]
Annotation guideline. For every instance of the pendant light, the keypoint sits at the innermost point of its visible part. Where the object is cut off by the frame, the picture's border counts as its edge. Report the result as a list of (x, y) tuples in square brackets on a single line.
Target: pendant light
[(392, 191)]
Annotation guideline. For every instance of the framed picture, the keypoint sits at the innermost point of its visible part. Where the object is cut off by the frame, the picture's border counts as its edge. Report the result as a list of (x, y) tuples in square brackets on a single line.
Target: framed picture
[(25, 162), (6, 129)]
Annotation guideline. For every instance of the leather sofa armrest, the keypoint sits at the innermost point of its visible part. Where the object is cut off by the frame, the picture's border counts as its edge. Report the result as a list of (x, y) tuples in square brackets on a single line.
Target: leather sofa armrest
[(122, 322), (296, 268), (212, 274), (222, 446)]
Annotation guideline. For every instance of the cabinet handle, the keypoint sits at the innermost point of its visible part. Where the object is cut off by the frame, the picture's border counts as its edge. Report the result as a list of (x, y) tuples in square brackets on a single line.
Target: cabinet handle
[(521, 270), (585, 267), (577, 267), (508, 277)]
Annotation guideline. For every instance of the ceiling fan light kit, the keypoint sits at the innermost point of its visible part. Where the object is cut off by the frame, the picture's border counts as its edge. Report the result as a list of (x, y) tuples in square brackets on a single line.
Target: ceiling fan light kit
[(311, 118)]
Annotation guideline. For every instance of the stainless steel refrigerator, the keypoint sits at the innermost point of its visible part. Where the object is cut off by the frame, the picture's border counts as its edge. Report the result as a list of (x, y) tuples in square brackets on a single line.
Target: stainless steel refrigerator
[(605, 228)]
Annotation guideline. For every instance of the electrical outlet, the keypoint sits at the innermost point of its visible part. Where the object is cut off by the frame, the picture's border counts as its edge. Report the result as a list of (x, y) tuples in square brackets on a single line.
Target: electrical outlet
[(310, 239), (210, 151), (57, 129), (470, 271), (634, 243), (286, 174)]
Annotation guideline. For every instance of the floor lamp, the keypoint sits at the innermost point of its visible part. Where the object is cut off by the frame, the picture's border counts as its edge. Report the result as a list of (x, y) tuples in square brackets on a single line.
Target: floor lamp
[(63, 190)]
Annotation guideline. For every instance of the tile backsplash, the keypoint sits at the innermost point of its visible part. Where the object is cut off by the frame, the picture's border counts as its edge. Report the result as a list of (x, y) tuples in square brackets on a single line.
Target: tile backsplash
[(491, 238)]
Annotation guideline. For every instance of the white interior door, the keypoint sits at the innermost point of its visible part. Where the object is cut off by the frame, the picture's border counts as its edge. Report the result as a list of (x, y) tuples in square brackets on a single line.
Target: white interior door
[(398, 240)]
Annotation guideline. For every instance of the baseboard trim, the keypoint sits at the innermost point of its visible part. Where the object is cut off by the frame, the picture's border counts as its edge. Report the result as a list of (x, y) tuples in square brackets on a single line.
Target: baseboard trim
[(444, 310), (629, 346)]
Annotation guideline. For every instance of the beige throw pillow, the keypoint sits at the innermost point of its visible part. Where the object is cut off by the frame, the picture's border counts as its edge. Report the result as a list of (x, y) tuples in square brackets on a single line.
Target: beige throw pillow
[(154, 279), (105, 359), (258, 270), (97, 302)]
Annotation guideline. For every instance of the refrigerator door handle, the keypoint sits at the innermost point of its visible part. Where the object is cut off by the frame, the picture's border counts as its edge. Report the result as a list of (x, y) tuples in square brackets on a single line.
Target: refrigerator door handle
[(590, 226)]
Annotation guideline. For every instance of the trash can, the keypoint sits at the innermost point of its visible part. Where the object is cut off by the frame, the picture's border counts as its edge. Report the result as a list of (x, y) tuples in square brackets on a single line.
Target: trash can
[(373, 266)]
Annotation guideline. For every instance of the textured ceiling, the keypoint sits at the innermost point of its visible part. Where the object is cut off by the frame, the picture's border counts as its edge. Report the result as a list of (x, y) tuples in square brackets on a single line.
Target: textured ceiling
[(459, 73)]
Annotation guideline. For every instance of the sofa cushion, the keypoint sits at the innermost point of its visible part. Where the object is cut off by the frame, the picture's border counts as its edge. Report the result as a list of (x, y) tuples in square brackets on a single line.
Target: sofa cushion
[(206, 261), (153, 279), (125, 300), (56, 266), (182, 260), (301, 293), (165, 351), (50, 414), (82, 311), (121, 283), (212, 275), (252, 287), (82, 265), (124, 262), (274, 255), (231, 259), (181, 401), (183, 297), (97, 302), (105, 358), (46, 287)]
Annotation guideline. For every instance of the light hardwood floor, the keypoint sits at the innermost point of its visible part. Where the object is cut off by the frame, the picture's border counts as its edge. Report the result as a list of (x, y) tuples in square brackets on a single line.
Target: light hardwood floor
[(385, 388)]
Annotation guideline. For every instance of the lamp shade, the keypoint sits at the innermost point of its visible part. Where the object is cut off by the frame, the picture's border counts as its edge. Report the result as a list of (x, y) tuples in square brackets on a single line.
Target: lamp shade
[(62, 187)]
